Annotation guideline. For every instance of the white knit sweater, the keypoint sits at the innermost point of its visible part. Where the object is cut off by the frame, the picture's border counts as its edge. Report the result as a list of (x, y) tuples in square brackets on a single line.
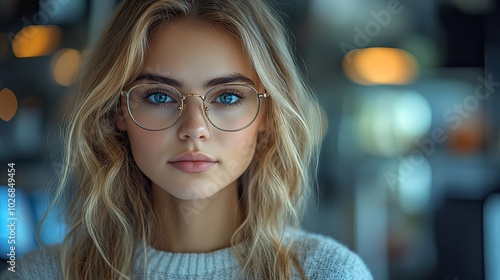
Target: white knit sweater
[(321, 258)]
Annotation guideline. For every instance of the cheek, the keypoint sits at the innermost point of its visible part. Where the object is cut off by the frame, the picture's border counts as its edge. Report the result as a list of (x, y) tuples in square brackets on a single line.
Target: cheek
[(145, 145), (246, 147), (236, 152), (242, 148)]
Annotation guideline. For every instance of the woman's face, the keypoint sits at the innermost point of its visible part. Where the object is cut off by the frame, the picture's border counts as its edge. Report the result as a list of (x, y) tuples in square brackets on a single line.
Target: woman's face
[(193, 159)]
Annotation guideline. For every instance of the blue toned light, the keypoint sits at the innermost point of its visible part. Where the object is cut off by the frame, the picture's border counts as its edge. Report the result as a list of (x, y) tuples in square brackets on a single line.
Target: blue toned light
[(412, 115), (54, 228), (390, 121), (62, 12), (492, 237), (415, 182), (24, 237)]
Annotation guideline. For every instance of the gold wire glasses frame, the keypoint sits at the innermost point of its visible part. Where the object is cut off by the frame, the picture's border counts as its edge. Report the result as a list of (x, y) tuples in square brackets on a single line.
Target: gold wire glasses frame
[(228, 107)]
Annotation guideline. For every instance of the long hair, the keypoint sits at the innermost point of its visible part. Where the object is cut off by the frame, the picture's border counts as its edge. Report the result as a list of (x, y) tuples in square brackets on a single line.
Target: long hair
[(110, 212)]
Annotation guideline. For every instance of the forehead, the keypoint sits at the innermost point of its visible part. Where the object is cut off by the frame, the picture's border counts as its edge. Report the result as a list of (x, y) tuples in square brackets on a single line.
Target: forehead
[(193, 52)]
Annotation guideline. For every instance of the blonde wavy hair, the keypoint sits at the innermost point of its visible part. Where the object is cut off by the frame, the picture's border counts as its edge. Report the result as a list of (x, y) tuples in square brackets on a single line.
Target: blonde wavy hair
[(110, 213)]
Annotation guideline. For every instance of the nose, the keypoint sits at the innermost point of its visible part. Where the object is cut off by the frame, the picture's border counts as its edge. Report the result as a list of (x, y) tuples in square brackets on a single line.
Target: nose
[(193, 122)]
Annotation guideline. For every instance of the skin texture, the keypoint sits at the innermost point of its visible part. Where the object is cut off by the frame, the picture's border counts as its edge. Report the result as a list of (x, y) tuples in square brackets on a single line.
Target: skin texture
[(198, 212)]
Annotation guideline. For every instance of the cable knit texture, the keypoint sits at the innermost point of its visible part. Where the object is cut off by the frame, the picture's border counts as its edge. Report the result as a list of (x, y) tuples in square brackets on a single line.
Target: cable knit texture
[(321, 258)]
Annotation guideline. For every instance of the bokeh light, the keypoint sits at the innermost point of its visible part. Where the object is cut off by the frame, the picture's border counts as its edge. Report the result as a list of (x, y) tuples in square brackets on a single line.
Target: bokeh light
[(413, 115), (469, 137), (53, 230), (8, 104), (36, 40), (415, 183), (380, 66), (24, 223), (390, 122), (64, 65), (492, 236)]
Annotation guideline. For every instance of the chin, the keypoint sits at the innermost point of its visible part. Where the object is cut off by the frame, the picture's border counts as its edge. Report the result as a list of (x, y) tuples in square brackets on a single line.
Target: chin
[(194, 191)]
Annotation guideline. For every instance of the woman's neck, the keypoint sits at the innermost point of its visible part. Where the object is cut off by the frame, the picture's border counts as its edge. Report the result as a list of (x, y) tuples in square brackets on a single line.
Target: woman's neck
[(196, 226)]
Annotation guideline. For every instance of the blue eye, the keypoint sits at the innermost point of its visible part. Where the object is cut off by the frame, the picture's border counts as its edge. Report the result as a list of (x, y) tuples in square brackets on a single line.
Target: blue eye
[(159, 98), (227, 98)]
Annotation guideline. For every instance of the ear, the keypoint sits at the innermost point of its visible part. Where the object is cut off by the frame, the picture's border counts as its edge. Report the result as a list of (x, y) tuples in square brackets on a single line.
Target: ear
[(120, 117)]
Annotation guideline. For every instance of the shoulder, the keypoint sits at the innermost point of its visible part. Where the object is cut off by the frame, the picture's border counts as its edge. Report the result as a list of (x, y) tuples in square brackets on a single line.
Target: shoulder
[(322, 257), (41, 263)]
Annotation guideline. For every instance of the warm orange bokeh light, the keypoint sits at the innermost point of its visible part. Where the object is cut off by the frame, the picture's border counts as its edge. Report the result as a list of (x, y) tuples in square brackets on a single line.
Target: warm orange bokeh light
[(36, 40), (380, 66), (64, 66), (8, 104)]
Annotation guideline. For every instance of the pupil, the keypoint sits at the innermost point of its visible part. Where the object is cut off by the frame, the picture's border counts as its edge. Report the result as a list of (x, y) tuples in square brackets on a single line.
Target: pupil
[(160, 98), (227, 98)]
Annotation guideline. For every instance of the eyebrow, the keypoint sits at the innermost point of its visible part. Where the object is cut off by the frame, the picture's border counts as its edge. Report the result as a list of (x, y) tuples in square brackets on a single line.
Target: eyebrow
[(231, 78)]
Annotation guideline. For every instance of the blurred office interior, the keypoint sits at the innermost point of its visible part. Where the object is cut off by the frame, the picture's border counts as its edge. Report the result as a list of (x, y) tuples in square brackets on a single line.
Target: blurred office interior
[(408, 171)]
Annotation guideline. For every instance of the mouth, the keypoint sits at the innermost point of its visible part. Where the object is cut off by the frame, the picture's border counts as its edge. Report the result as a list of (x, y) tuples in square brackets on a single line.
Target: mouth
[(193, 166), (193, 162)]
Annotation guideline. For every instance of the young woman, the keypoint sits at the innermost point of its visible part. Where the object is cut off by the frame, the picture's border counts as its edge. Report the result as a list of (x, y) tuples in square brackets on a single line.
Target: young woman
[(191, 137)]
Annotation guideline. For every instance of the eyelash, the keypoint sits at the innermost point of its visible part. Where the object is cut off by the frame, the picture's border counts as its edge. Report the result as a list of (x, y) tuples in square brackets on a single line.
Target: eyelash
[(235, 93), (151, 92)]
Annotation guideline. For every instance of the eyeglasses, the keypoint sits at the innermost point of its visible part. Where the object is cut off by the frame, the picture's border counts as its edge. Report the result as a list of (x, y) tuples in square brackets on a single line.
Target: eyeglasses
[(229, 107)]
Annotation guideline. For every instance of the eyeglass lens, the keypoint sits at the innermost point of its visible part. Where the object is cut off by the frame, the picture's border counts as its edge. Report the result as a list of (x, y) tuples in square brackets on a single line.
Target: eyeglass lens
[(227, 107)]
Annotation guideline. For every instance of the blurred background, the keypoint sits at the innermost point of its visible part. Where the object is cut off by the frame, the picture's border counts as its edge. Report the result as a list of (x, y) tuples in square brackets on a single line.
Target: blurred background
[(407, 173)]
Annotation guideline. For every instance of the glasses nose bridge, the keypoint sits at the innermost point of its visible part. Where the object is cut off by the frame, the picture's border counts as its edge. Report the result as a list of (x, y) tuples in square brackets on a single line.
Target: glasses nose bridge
[(202, 97), (185, 96)]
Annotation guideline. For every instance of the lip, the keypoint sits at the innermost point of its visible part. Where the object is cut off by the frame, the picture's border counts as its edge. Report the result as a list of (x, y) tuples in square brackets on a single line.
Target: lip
[(193, 162)]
